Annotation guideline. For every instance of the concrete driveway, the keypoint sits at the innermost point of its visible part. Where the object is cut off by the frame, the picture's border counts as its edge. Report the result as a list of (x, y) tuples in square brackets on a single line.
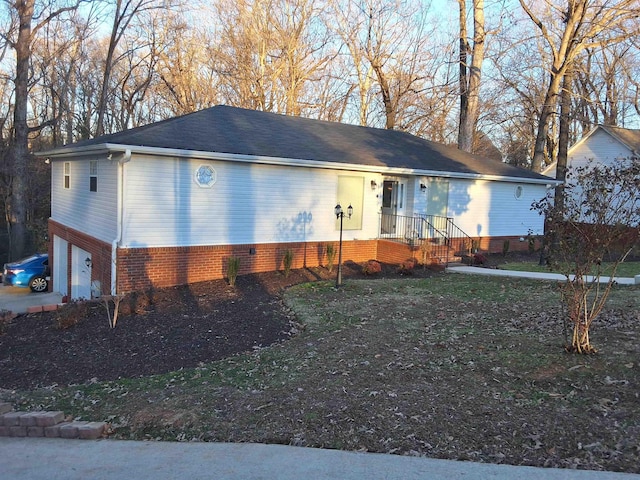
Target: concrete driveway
[(18, 299)]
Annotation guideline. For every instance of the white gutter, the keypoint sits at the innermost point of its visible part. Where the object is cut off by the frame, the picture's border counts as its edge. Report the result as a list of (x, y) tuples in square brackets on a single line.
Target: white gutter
[(232, 157), (126, 156)]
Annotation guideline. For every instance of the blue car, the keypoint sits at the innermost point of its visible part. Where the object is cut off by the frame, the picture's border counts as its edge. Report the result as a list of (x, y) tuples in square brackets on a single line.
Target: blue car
[(32, 272)]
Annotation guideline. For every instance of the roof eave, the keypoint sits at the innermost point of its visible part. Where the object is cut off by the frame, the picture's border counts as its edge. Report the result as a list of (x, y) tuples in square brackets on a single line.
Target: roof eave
[(106, 148)]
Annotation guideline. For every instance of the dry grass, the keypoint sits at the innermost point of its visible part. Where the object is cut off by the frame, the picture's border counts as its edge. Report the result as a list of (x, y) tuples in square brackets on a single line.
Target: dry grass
[(452, 366)]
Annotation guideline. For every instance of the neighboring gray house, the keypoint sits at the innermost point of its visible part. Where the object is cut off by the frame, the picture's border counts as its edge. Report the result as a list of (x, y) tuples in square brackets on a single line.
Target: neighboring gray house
[(168, 203), (602, 145)]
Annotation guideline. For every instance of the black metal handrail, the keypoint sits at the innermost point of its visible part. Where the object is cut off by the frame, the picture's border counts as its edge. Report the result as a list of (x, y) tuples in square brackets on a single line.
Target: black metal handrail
[(435, 235)]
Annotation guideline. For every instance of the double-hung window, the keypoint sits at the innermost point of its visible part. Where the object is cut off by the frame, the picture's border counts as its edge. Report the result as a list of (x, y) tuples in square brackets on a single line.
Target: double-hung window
[(93, 175), (67, 174)]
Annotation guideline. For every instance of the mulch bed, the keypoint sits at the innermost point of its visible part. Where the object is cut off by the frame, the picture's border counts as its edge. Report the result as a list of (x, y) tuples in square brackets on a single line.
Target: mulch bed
[(157, 332)]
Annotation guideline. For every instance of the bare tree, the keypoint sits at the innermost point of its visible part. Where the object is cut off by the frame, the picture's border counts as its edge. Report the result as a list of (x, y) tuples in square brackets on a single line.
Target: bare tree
[(603, 84), (269, 52), (124, 13), (387, 44), (186, 67), (25, 12), (568, 29)]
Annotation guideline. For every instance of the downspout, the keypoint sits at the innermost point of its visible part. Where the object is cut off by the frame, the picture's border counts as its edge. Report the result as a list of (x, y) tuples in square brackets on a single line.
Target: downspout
[(126, 156)]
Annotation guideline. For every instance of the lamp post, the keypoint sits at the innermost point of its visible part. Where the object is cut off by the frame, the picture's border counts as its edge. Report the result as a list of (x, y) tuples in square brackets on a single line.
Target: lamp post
[(340, 214)]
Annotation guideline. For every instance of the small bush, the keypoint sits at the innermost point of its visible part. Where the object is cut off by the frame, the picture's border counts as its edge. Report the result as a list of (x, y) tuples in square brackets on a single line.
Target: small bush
[(136, 303), (233, 265), (287, 261), (406, 267), (331, 256), (5, 317), (371, 268), (479, 259), (71, 314), (505, 247), (531, 241)]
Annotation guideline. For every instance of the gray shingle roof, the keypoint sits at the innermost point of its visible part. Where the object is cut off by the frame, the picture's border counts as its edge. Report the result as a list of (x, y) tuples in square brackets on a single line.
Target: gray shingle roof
[(224, 129), (629, 137)]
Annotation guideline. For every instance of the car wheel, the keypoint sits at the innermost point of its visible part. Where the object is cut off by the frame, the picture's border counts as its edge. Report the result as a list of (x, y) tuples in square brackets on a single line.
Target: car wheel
[(38, 284)]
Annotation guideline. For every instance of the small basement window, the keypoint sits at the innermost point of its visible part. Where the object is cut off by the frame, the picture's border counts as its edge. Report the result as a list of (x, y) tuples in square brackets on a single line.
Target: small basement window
[(93, 176)]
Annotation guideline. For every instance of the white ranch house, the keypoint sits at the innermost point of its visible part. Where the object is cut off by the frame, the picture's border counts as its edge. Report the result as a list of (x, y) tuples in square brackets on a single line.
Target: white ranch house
[(168, 203)]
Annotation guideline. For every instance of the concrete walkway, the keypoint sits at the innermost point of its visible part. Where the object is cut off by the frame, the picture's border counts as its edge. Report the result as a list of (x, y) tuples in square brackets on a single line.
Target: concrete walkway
[(534, 275), (51, 459)]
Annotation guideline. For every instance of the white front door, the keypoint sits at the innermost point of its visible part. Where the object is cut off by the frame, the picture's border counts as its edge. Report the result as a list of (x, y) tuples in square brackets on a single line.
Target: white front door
[(80, 273), (394, 193)]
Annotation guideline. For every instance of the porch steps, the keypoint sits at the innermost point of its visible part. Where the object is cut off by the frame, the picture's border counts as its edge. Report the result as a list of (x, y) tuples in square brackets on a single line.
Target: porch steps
[(49, 424), (442, 255)]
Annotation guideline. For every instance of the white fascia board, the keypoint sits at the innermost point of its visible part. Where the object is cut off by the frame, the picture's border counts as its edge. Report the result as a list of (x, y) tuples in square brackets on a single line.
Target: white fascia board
[(106, 148)]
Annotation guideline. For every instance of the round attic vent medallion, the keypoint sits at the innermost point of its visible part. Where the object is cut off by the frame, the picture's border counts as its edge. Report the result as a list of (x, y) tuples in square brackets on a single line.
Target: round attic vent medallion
[(205, 176), (518, 192)]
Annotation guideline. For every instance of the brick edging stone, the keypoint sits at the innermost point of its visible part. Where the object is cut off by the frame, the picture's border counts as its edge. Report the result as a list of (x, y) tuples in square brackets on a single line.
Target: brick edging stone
[(49, 424)]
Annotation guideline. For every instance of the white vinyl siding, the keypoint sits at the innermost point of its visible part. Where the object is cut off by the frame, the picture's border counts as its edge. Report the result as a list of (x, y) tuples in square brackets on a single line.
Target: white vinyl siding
[(93, 213), (599, 147), (489, 208), (249, 203)]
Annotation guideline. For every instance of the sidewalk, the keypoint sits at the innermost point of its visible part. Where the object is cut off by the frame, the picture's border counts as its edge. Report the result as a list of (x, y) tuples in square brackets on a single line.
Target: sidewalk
[(534, 275), (51, 459)]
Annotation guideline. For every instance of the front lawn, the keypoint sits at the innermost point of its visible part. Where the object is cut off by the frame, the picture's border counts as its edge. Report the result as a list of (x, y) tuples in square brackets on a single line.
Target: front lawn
[(625, 269), (451, 366)]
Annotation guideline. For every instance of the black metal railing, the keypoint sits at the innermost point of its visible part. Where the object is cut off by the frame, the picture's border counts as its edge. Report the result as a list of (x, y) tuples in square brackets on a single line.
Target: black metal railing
[(436, 236)]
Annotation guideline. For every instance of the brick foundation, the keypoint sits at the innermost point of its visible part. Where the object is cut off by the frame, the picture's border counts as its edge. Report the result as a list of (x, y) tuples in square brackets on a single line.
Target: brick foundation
[(162, 267), (144, 268)]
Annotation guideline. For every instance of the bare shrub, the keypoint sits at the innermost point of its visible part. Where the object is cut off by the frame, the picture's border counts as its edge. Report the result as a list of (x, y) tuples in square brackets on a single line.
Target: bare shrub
[(331, 256), (233, 265), (593, 219), (71, 314), (287, 262)]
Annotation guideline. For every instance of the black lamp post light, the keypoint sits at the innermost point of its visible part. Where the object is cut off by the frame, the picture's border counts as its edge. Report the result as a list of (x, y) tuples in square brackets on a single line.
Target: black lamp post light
[(340, 214)]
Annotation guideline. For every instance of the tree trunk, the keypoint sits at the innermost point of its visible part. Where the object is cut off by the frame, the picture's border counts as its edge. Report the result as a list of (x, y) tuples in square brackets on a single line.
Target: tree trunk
[(389, 109), (548, 109), (20, 144), (470, 78), (108, 66), (463, 75), (563, 141)]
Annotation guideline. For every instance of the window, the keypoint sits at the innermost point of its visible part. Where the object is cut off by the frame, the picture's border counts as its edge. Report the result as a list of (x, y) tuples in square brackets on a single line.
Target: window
[(67, 174), (93, 175), (205, 176)]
